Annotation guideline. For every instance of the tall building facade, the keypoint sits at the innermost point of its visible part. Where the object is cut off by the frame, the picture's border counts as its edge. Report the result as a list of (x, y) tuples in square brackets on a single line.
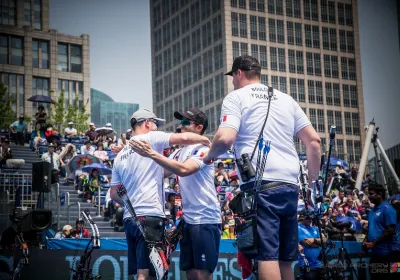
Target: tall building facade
[(36, 60), (105, 110), (309, 49)]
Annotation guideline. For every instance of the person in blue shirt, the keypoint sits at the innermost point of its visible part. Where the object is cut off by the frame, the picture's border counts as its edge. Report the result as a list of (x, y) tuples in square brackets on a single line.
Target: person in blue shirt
[(18, 129), (394, 255), (381, 227), (309, 239)]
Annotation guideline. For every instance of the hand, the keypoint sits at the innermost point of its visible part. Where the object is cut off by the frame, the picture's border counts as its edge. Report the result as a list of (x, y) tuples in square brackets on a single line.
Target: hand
[(116, 149), (206, 142), (208, 160), (141, 147)]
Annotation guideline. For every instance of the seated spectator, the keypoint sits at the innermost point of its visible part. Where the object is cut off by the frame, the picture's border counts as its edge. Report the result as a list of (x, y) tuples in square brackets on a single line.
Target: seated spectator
[(226, 232), (81, 178), (70, 130), (65, 233), (65, 156), (220, 175), (94, 182), (123, 140), (37, 137), (91, 134), (128, 133), (111, 137), (87, 149), (50, 134), (353, 177), (171, 206), (57, 146), (18, 130), (100, 139), (80, 231), (100, 153), (41, 117), (5, 152), (341, 199)]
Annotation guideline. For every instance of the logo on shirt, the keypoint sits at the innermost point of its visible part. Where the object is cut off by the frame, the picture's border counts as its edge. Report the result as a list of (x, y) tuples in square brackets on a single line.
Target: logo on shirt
[(263, 96), (203, 258), (378, 213)]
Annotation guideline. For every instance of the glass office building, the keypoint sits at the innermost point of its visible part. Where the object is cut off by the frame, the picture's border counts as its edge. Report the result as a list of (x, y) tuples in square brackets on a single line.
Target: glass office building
[(105, 110)]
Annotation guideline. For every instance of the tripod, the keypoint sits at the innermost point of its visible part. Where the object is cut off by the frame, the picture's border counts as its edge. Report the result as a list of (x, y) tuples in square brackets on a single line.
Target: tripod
[(344, 258), (83, 268)]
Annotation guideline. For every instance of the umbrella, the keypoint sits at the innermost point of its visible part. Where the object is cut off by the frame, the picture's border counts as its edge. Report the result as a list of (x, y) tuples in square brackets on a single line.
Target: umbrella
[(102, 168), (337, 161), (41, 99), (74, 163), (104, 130), (355, 225)]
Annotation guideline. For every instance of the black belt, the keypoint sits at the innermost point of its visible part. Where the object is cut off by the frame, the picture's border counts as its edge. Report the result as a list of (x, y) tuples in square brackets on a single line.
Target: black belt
[(267, 186)]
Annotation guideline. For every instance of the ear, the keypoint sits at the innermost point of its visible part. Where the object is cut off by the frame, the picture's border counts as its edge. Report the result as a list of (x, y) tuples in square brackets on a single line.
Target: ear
[(199, 128)]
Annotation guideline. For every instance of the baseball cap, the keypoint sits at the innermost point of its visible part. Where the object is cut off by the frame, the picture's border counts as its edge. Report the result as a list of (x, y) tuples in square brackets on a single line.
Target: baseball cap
[(67, 227), (144, 114), (22, 117), (70, 123), (91, 123), (108, 124), (245, 62), (194, 115)]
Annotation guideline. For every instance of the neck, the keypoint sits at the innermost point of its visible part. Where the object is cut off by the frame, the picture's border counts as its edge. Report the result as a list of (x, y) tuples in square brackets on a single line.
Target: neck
[(140, 131), (248, 82), (378, 202)]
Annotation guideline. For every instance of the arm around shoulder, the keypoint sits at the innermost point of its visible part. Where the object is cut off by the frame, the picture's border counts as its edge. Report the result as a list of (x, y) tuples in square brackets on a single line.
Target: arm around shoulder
[(188, 138)]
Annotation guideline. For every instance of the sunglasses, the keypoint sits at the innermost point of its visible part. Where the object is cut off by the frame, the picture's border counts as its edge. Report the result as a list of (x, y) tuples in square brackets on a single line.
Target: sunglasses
[(155, 122), (186, 122)]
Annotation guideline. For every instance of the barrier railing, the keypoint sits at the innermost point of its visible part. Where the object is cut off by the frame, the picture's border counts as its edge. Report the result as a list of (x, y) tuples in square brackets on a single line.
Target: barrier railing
[(11, 182), (69, 205)]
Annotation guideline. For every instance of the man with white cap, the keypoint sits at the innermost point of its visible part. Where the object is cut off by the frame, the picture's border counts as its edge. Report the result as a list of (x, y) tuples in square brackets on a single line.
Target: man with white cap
[(143, 179), (91, 133), (70, 130), (112, 137)]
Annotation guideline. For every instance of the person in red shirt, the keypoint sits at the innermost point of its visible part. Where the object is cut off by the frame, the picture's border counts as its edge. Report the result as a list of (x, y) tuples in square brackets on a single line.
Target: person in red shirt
[(80, 231)]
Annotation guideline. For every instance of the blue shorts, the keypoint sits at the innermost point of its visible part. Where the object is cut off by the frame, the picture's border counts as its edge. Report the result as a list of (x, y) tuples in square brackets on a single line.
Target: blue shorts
[(277, 223), (200, 247), (138, 253)]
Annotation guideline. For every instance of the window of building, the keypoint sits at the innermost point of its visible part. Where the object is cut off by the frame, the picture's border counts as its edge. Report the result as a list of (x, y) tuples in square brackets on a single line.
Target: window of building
[(185, 20), (69, 58), (234, 3), (320, 120), (318, 93), (293, 89), (345, 14), (207, 34), (207, 63), (293, 8), (8, 12), (311, 9), (205, 9), (298, 34), (167, 59), (15, 90), (332, 39), (290, 32), (27, 12), (275, 7), (243, 25), (196, 41), (253, 27), (156, 15), (310, 63), (157, 39), (17, 51), (166, 34), (262, 30), (281, 59), (242, 4), (313, 117), (272, 30), (169, 110), (243, 49), (350, 150), (347, 123), (263, 57), (254, 51), (35, 54), (158, 64), (168, 85), (219, 86), (177, 80), (165, 9), (175, 28), (340, 148), (217, 28), (338, 122), (346, 95), (176, 54), (209, 91), (218, 57), (235, 49), (195, 13), (315, 36), (159, 91), (187, 100), (198, 96), (311, 92), (275, 82), (40, 86), (280, 31), (37, 14), (216, 5), (196, 69), (273, 58), (353, 96), (235, 24), (299, 62), (356, 123), (186, 47), (282, 84), (40, 54), (301, 90), (187, 75), (308, 35), (348, 68), (264, 79), (178, 103), (253, 5), (317, 64)]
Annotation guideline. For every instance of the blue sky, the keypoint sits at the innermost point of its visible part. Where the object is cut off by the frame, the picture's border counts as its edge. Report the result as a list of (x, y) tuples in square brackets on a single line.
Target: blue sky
[(121, 55)]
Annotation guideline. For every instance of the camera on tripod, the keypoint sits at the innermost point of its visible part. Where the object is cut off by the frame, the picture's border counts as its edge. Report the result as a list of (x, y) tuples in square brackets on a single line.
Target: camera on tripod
[(342, 225), (245, 167)]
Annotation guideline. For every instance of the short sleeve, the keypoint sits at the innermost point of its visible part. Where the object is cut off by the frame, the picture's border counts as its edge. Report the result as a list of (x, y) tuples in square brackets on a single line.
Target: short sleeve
[(300, 118), (15, 124), (159, 140), (115, 178), (390, 216), (302, 234), (197, 154), (230, 112)]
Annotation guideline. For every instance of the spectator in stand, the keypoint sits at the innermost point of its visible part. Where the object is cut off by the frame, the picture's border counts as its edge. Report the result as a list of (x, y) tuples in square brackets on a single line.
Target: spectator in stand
[(395, 254), (87, 149), (91, 134), (65, 233), (41, 117), (171, 206), (220, 175), (353, 177), (340, 170), (128, 133), (57, 146), (70, 130), (37, 136), (18, 129), (123, 140), (65, 156), (100, 153), (80, 178), (5, 152), (94, 182), (54, 160), (50, 133), (80, 231), (368, 180), (112, 137), (341, 199), (100, 139)]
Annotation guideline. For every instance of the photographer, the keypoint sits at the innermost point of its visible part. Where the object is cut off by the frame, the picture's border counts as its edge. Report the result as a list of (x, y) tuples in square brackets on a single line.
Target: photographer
[(381, 227), (243, 115), (309, 238)]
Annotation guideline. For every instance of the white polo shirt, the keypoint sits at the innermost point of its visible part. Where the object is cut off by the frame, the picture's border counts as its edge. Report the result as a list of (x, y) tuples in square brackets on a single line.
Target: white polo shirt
[(199, 197), (245, 110), (142, 177)]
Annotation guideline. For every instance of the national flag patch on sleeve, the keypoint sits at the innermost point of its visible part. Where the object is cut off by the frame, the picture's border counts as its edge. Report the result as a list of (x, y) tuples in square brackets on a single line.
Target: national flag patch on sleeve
[(224, 118)]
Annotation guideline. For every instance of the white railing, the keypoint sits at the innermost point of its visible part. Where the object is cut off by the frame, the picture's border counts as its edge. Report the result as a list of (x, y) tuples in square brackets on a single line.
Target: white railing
[(11, 182)]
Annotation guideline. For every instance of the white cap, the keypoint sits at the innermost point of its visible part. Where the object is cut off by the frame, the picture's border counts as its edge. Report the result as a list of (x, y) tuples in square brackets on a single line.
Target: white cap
[(108, 124), (91, 123), (128, 130), (70, 123)]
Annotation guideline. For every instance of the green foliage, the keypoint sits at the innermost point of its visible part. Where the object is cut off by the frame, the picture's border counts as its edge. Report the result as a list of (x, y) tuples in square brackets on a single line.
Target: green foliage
[(56, 110), (83, 117), (72, 113), (7, 114)]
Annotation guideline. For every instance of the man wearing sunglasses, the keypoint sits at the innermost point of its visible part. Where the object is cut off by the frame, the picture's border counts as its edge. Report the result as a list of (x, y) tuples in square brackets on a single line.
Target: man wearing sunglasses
[(243, 114), (199, 246), (143, 180)]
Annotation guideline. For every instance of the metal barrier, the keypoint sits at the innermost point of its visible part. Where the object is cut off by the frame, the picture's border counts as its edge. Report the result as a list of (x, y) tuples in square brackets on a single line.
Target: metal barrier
[(69, 205), (12, 181), (5, 205)]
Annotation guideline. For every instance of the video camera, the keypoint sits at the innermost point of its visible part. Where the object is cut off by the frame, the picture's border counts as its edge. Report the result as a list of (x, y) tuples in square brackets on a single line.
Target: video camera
[(342, 225)]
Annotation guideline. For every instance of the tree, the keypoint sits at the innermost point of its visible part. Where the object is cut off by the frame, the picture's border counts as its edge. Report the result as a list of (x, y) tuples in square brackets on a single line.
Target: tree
[(56, 111), (7, 114), (83, 117)]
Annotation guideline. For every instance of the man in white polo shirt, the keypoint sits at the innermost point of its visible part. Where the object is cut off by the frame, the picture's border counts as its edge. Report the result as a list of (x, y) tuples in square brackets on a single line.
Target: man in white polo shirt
[(243, 113), (143, 180), (70, 130), (199, 246)]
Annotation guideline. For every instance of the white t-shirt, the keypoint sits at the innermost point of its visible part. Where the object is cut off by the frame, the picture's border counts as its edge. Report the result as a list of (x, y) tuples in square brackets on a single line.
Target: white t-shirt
[(199, 197), (245, 110), (142, 177), (86, 151), (69, 130)]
